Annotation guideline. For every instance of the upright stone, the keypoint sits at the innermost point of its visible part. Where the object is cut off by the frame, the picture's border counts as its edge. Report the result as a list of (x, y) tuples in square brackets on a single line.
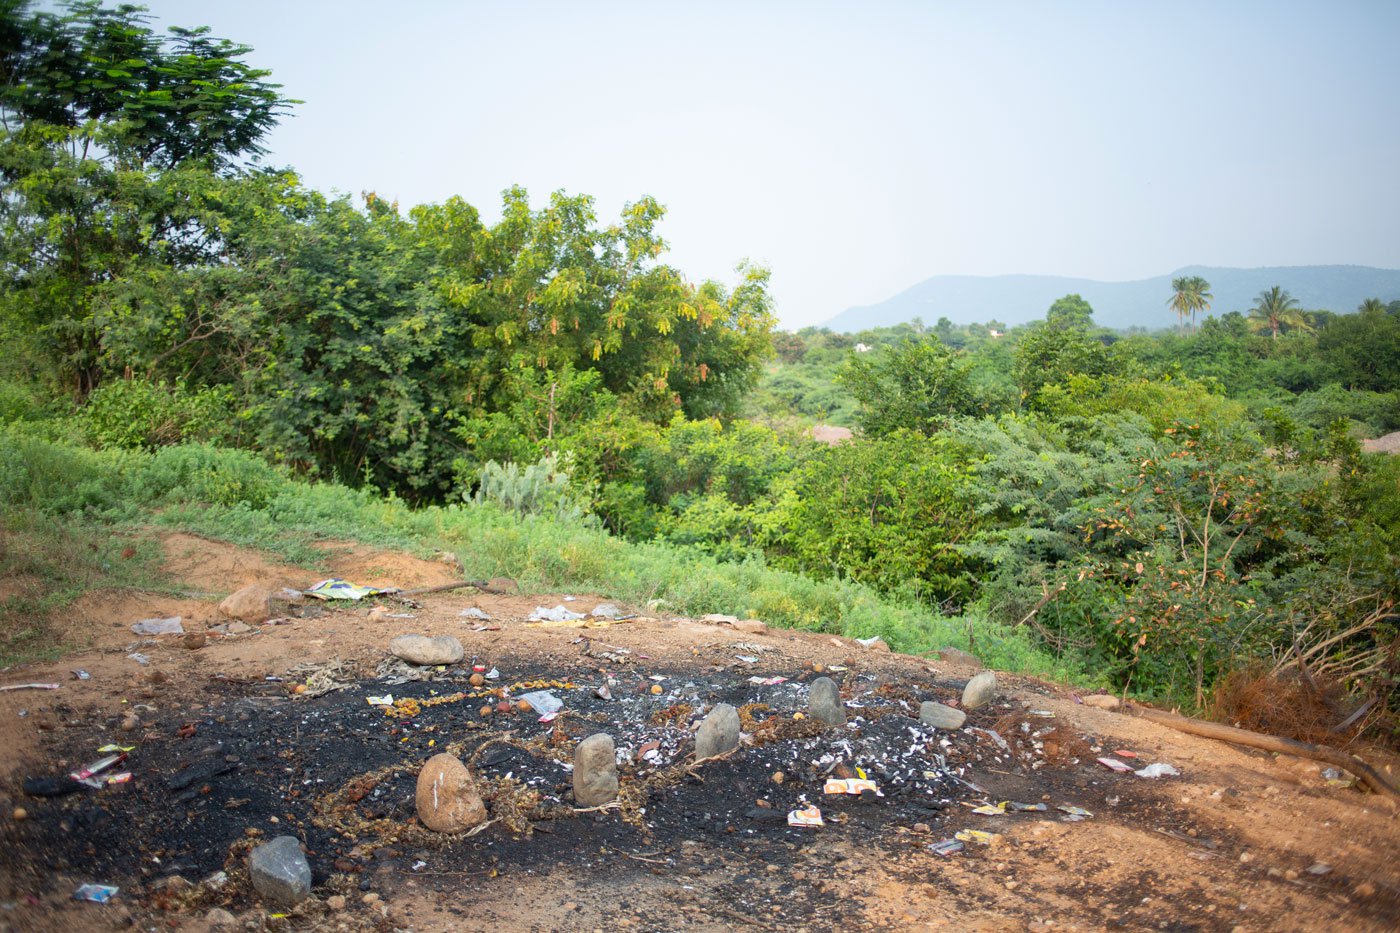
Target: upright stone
[(447, 798), (940, 716), (595, 771), (719, 732), (824, 702), (279, 871), (979, 690)]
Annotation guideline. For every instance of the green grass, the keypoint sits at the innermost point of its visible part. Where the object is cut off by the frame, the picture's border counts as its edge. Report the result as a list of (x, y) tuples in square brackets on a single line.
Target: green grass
[(234, 496)]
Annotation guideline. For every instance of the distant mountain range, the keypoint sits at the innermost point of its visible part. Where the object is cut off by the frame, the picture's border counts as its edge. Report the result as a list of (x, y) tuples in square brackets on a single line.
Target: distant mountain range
[(1016, 299)]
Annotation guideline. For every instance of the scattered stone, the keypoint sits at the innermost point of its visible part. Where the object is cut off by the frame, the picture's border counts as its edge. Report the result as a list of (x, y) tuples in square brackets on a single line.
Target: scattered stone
[(779, 777), (427, 652), (606, 611), (959, 657), (979, 690), (195, 640), (1102, 701), (219, 920), (238, 628), (940, 716), (719, 732), (447, 798), (824, 702), (1319, 868), (250, 604), (475, 613), (370, 898), (501, 586), (279, 871), (1364, 889), (750, 626), (336, 902), (20, 813), (130, 723), (716, 618), (595, 771)]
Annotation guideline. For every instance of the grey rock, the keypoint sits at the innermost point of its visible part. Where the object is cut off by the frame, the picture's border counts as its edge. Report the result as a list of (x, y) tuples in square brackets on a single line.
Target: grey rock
[(170, 626), (824, 702), (606, 611), (475, 612), (979, 690), (238, 628), (219, 920), (425, 651), (279, 871), (940, 716), (718, 733), (959, 657), (595, 771)]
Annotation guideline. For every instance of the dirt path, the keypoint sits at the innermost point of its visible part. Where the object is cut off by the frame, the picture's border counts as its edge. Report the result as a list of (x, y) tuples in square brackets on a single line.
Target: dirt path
[(1241, 840)]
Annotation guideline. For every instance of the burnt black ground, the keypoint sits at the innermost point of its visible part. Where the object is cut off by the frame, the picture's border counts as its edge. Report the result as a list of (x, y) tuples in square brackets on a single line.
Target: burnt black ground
[(256, 756)]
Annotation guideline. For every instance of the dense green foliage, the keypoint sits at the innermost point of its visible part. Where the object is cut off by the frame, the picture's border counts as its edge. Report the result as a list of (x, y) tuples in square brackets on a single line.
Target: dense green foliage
[(1150, 510)]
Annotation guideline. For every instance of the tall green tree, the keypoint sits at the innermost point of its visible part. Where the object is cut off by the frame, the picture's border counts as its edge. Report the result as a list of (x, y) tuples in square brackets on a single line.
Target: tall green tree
[(916, 385), (1275, 310), (1190, 294)]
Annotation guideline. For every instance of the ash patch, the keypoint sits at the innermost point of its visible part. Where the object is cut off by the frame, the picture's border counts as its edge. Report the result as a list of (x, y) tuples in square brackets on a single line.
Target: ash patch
[(340, 773)]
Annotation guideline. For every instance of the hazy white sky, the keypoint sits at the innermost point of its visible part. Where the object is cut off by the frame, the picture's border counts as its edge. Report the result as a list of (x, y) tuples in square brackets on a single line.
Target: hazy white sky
[(858, 148)]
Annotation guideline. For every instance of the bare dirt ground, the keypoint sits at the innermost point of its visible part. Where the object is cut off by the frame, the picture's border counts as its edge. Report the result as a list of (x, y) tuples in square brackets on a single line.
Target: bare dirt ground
[(1240, 840)]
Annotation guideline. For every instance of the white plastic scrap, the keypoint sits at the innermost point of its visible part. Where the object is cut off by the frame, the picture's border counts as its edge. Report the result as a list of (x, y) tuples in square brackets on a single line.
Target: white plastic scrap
[(557, 614), (169, 626), (475, 613), (1160, 769)]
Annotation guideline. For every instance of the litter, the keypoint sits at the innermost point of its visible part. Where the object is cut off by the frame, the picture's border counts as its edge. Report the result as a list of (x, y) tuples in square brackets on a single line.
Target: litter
[(856, 786), (170, 626), (869, 642), (98, 766), (81, 675), (989, 809), (808, 816), (606, 611), (767, 681), (1074, 813), (1113, 764), (97, 893), (1124, 753), (747, 658), (121, 778), (139, 658), (1026, 807), (493, 674), (978, 836), (386, 700), (110, 748), (543, 702), (946, 847), (557, 614), (320, 679), (475, 613), (1319, 868), (30, 687), (344, 589), (1161, 769)]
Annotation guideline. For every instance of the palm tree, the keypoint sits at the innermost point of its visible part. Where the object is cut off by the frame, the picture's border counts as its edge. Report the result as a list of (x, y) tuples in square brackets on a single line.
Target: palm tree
[(1200, 297), (1274, 310), (1371, 306), (1180, 301), (1191, 293)]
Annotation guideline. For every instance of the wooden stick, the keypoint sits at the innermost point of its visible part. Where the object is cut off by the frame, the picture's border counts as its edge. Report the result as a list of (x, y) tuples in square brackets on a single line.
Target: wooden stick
[(1271, 743), (423, 590)]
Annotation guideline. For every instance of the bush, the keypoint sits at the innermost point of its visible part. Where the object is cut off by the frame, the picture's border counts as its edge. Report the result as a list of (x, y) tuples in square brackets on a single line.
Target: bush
[(136, 414)]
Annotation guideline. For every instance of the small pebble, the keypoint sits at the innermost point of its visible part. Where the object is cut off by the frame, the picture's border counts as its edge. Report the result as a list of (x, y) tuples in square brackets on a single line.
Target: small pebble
[(779, 777), (21, 813), (336, 902), (655, 689), (477, 680), (370, 898)]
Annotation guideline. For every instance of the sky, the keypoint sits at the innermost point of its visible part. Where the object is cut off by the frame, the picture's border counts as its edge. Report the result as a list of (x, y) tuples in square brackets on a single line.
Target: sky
[(859, 148)]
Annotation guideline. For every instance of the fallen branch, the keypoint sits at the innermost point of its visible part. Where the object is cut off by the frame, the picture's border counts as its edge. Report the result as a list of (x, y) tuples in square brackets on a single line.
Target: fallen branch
[(443, 588), (1271, 743)]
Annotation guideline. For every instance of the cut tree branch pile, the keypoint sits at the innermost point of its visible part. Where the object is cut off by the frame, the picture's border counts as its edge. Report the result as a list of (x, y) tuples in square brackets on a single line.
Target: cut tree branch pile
[(1270, 743)]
